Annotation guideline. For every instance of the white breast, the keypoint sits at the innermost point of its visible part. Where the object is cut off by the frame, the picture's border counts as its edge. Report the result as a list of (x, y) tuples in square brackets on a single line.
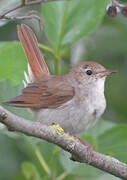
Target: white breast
[(79, 114)]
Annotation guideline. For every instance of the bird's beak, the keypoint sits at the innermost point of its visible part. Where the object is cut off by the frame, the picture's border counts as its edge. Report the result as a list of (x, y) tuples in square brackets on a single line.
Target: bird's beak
[(105, 73)]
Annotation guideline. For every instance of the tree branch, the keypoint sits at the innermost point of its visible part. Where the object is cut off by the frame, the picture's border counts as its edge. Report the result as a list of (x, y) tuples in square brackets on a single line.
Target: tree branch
[(23, 4), (79, 152)]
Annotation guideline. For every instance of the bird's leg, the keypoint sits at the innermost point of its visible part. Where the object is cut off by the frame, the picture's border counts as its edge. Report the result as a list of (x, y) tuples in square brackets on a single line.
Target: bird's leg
[(84, 142)]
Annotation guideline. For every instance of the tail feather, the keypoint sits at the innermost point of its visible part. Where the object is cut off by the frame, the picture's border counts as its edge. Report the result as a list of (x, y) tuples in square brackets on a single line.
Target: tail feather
[(37, 68), (29, 42)]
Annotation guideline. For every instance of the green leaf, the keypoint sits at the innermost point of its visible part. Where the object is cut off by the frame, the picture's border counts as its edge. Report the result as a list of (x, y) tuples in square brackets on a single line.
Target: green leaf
[(114, 142), (100, 127), (78, 169), (71, 20), (11, 155), (30, 171), (107, 176), (52, 14), (12, 62)]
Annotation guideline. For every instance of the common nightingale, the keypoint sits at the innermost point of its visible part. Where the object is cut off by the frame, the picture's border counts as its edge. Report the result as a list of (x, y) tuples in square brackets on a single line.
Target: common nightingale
[(75, 101)]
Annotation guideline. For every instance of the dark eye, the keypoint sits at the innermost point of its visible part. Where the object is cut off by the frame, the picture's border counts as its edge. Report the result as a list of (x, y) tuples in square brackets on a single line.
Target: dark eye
[(88, 72)]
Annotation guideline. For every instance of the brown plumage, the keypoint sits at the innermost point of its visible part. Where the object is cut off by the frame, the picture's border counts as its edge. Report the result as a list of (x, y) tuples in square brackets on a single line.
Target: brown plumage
[(50, 93), (75, 100), (47, 91), (29, 42)]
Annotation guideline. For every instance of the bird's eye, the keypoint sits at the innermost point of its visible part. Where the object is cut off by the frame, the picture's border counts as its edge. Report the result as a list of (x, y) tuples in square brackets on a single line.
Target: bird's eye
[(88, 72)]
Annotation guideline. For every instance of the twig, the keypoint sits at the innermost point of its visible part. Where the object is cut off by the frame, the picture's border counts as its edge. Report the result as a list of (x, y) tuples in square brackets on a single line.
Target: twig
[(62, 176), (79, 152), (22, 17), (117, 4), (24, 3), (41, 1), (42, 161)]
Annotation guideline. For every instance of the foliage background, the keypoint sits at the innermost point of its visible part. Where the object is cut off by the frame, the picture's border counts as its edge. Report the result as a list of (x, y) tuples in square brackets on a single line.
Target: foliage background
[(73, 31)]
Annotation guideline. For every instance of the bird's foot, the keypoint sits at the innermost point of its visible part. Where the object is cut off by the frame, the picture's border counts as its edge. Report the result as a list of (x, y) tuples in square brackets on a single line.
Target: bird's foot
[(85, 143)]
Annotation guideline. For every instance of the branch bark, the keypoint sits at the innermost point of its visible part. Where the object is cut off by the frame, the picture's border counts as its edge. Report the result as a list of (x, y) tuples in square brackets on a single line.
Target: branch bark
[(24, 3), (79, 152)]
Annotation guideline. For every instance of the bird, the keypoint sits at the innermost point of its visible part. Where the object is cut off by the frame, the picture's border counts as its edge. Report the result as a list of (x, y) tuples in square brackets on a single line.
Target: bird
[(75, 100)]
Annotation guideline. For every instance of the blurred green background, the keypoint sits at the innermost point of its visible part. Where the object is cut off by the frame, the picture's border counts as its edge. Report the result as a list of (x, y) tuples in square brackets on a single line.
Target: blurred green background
[(73, 31)]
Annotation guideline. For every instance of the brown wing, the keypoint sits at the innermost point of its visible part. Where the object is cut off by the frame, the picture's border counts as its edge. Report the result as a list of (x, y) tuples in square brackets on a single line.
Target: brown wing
[(50, 93), (33, 53)]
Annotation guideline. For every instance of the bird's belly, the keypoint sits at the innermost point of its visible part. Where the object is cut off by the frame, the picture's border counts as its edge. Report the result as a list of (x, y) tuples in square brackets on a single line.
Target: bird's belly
[(72, 117)]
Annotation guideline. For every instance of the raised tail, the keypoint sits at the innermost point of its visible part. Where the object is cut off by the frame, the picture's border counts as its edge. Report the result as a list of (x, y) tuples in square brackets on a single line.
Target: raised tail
[(37, 66)]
